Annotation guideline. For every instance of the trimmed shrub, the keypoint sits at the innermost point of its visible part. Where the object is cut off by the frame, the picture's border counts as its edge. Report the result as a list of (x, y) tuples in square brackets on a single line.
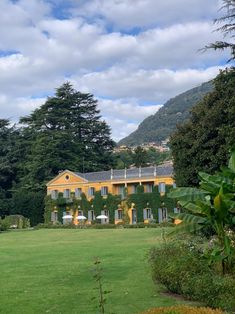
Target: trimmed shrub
[(4, 224), (96, 226), (182, 309), (18, 221), (183, 270)]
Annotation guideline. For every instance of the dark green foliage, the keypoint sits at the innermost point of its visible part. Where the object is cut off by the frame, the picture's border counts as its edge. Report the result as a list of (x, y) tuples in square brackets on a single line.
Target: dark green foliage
[(140, 189), (123, 159), (203, 143), (6, 171), (66, 133), (5, 203), (111, 203), (183, 270), (29, 204), (155, 157), (213, 206), (139, 157), (127, 158), (151, 200), (159, 126), (98, 203), (4, 224), (85, 204), (8, 165)]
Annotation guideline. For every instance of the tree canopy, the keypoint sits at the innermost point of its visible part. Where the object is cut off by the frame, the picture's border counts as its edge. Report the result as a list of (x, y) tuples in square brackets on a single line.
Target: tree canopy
[(204, 141), (66, 132)]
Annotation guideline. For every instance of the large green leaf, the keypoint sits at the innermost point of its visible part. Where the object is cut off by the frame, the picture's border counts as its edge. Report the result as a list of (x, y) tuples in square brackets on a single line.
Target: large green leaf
[(186, 228), (187, 194), (231, 163), (195, 209), (189, 218), (216, 179)]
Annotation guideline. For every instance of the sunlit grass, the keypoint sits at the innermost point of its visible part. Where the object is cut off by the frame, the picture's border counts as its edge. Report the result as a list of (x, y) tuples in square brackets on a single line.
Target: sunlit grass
[(50, 271)]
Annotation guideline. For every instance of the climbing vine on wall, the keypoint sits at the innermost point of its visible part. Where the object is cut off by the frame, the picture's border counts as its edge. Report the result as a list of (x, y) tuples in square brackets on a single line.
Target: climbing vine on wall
[(111, 202)]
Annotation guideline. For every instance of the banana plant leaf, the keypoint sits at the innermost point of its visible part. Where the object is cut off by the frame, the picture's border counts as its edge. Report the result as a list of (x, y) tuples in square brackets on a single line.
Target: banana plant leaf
[(190, 218), (186, 228), (187, 194), (231, 163)]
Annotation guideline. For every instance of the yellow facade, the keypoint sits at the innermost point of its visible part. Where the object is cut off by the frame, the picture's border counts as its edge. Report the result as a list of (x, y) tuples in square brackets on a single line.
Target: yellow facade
[(73, 181), (70, 181)]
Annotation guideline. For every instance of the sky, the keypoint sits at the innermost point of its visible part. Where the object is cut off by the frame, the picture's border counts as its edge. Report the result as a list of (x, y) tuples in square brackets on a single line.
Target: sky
[(132, 55)]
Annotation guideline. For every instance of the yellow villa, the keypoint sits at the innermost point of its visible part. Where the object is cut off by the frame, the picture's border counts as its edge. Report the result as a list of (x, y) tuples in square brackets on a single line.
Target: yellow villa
[(115, 182)]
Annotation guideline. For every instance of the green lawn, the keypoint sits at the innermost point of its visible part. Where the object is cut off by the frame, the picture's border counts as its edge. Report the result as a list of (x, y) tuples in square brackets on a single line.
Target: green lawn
[(50, 271)]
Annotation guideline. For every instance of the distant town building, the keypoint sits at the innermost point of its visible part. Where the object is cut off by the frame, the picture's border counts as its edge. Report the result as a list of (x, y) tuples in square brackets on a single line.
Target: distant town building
[(161, 147)]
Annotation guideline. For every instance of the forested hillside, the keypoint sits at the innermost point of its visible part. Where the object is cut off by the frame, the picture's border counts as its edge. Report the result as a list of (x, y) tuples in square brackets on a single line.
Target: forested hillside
[(175, 111), (204, 142)]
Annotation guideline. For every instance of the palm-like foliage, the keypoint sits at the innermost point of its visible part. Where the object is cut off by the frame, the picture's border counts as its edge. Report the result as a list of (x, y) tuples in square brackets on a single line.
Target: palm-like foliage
[(211, 205), (227, 28)]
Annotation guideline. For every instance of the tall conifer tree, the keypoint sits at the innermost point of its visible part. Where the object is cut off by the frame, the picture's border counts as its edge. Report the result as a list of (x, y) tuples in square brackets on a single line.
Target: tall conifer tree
[(66, 133)]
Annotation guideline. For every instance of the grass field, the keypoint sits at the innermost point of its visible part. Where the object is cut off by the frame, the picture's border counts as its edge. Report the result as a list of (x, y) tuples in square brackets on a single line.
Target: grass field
[(50, 271)]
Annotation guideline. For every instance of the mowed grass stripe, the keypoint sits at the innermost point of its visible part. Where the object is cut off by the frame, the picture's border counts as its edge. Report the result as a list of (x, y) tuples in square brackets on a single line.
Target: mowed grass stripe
[(50, 271)]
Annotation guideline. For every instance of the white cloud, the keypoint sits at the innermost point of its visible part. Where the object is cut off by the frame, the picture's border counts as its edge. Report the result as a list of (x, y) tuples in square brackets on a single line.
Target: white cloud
[(135, 72), (144, 85), (14, 107), (128, 14), (124, 116)]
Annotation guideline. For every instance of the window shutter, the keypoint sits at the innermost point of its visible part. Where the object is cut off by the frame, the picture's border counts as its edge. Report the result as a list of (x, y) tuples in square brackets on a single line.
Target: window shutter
[(116, 214), (91, 191), (102, 220), (66, 193), (104, 190), (159, 215), (53, 194), (161, 187), (89, 216), (52, 216), (78, 192), (149, 188), (164, 213), (64, 222), (144, 214)]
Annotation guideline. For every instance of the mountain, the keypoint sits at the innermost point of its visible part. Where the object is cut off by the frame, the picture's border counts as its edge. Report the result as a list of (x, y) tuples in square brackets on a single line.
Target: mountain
[(175, 111)]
